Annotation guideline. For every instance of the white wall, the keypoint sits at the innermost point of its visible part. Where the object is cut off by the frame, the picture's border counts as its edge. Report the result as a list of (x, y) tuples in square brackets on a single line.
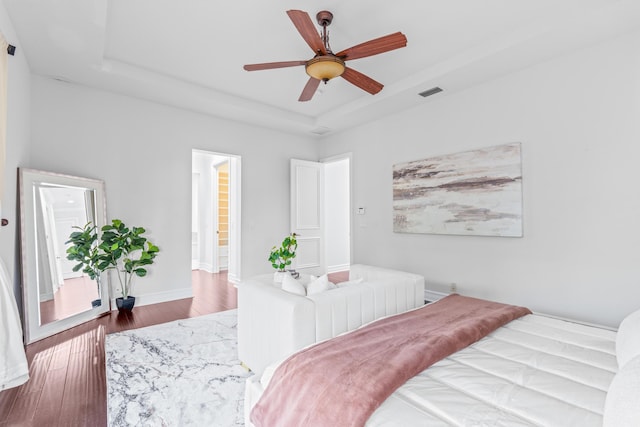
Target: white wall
[(578, 120), (142, 151), (17, 149), (576, 116)]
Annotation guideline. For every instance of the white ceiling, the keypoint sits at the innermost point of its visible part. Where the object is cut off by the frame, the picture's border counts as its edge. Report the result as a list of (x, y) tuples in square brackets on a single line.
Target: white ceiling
[(190, 53)]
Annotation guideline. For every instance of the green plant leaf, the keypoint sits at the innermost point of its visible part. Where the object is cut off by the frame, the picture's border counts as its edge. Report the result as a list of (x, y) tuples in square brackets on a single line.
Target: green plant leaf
[(280, 257), (140, 272)]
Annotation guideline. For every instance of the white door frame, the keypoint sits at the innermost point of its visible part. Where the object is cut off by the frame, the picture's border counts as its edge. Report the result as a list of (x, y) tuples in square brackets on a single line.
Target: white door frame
[(234, 264), (195, 219)]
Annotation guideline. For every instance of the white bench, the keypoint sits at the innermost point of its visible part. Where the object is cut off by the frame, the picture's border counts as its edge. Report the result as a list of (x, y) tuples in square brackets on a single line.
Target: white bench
[(273, 324)]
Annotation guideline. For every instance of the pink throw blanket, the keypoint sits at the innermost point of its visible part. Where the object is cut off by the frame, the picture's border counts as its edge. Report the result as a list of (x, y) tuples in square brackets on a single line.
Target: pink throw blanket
[(342, 381)]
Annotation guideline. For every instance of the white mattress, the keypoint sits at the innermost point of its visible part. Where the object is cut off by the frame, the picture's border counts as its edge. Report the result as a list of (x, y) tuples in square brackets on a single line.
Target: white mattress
[(536, 371)]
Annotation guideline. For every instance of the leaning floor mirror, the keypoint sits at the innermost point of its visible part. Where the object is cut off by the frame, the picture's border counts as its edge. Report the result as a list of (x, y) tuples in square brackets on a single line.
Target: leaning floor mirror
[(55, 297)]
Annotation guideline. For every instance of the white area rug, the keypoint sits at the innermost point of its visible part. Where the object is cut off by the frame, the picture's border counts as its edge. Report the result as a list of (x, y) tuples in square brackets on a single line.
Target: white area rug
[(181, 373)]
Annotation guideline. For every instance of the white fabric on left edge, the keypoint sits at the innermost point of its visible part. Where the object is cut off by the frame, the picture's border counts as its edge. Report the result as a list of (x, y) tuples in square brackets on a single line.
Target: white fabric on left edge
[(14, 369)]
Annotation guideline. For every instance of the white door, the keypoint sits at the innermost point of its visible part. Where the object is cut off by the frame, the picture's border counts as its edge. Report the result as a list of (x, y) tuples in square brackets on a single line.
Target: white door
[(307, 215)]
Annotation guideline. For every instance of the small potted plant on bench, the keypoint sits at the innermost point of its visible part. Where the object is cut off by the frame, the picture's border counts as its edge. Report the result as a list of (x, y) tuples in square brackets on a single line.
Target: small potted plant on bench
[(281, 257)]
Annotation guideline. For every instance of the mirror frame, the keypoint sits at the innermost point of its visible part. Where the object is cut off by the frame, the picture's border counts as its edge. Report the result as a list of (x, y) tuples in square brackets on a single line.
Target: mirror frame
[(33, 330)]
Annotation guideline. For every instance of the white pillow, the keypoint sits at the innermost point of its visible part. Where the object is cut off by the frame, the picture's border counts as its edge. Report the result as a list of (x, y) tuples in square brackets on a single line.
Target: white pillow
[(319, 284), (628, 338), (621, 406), (291, 285)]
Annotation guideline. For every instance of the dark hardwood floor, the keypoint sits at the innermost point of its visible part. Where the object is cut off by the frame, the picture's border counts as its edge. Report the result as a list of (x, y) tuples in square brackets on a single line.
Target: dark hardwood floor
[(67, 385)]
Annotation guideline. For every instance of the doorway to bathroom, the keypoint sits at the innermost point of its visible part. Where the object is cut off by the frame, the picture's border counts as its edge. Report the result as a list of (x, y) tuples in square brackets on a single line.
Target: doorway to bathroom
[(215, 214)]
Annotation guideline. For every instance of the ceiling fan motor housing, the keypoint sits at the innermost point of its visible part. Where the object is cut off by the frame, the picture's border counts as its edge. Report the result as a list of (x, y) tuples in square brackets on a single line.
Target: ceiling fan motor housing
[(324, 18)]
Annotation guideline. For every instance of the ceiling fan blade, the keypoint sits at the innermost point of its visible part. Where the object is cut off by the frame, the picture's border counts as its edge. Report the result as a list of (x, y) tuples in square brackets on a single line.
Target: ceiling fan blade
[(309, 90), (307, 30), (363, 82), (270, 65), (374, 47)]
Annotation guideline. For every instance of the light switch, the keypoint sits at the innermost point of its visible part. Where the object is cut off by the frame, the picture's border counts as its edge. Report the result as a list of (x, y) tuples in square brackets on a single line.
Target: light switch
[(360, 211)]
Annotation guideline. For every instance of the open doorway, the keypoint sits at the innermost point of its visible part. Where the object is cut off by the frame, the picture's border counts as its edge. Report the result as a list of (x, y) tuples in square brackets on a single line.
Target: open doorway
[(215, 224)]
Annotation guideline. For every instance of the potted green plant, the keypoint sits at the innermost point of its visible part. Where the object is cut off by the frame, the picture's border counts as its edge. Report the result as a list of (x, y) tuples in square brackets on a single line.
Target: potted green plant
[(281, 257), (128, 252), (84, 249)]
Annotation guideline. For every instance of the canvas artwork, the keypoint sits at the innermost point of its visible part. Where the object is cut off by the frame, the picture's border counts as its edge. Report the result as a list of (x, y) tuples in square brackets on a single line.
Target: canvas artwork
[(476, 192)]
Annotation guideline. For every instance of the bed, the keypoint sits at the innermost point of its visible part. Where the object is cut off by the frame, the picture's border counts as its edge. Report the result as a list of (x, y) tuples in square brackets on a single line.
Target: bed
[(532, 371)]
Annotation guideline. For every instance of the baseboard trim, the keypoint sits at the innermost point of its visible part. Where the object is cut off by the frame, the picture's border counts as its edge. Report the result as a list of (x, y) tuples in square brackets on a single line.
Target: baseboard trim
[(430, 295), (46, 297), (158, 297), (232, 278), (205, 266)]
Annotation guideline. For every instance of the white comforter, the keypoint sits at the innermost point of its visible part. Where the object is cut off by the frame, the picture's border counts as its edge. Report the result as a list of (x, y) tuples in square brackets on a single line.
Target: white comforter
[(534, 371)]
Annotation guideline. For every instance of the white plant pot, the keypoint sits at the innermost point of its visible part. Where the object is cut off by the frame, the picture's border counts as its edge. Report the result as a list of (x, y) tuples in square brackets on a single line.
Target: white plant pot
[(278, 276)]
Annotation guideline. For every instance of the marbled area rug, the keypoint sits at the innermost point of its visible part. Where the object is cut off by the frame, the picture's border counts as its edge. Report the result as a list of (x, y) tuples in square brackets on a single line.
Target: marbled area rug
[(181, 373)]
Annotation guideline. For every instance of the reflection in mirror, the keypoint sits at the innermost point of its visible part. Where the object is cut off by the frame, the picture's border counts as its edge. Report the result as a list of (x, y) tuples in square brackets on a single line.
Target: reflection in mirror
[(57, 298), (63, 292)]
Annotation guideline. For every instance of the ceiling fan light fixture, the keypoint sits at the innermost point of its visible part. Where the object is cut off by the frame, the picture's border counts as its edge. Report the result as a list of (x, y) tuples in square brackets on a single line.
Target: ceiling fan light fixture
[(325, 67)]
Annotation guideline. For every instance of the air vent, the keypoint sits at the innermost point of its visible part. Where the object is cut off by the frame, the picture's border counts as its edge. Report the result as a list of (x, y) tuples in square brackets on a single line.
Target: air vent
[(321, 130), (430, 92)]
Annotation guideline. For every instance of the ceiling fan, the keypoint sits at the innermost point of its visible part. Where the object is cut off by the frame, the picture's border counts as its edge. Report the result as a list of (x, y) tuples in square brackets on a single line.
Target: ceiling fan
[(326, 65)]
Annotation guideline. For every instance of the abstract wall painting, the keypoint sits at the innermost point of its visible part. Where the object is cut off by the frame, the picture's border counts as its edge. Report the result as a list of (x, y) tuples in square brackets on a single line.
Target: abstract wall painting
[(476, 193)]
